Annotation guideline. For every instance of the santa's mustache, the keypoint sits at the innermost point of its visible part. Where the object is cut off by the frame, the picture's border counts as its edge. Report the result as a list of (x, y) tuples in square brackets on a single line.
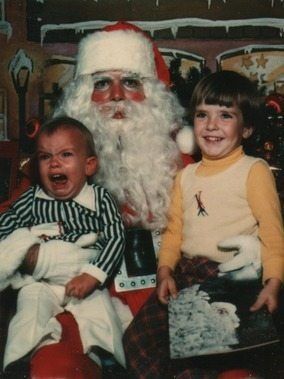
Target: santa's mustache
[(114, 109)]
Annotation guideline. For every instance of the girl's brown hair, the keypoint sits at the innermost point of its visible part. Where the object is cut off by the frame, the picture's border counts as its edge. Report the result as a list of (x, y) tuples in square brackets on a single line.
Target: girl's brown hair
[(228, 88)]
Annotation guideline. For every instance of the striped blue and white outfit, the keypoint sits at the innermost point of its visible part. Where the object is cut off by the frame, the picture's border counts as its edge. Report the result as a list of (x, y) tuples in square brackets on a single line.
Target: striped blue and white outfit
[(93, 210)]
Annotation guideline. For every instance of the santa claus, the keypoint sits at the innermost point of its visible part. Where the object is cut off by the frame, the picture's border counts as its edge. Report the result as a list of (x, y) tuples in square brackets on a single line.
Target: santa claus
[(121, 93)]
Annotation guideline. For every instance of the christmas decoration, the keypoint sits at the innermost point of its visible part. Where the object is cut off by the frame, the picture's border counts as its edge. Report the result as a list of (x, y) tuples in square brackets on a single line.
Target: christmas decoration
[(261, 63), (5, 27), (267, 141), (173, 25), (209, 2), (183, 85), (20, 68)]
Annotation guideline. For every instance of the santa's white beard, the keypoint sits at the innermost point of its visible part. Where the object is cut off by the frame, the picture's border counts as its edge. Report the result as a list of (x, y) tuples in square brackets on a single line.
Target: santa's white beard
[(137, 157)]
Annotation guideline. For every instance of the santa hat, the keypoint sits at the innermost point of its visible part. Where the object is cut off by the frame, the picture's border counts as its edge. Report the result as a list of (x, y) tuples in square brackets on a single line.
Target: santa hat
[(121, 46)]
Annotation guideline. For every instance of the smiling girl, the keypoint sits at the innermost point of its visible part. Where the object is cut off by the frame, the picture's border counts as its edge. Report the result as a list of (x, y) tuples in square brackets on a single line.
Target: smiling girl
[(226, 195)]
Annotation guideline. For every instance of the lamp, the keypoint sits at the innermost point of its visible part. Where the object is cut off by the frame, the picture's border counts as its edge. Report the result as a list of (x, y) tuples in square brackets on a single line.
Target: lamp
[(20, 68)]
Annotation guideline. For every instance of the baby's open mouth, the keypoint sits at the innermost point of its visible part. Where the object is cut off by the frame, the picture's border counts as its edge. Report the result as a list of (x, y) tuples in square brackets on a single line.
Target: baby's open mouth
[(58, 178)]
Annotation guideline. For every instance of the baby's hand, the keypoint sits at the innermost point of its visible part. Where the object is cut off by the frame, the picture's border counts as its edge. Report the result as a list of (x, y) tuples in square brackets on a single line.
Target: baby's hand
[(268, 296), (166, 285), (81, 286)]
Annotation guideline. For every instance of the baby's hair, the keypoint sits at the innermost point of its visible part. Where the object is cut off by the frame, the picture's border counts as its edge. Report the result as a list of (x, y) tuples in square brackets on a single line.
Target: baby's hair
[(228, 88), (69, 123)]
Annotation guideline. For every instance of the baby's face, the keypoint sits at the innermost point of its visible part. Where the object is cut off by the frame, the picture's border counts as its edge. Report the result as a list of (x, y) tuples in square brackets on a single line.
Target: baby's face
[(63, 163)]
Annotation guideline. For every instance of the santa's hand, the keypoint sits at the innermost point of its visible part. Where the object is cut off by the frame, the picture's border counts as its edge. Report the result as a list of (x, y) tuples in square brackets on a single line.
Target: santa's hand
[(246, 263), (59, 261), (12, 252), (81, 286)]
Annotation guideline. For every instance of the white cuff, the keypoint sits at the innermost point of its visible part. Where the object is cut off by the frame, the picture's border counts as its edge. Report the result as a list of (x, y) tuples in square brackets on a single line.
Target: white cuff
[(44, 261), (95, 272)]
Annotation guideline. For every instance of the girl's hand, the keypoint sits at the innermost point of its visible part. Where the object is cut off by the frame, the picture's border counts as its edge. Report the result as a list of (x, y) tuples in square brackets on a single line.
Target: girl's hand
[(166, 285), (268, 296), (81, 286)]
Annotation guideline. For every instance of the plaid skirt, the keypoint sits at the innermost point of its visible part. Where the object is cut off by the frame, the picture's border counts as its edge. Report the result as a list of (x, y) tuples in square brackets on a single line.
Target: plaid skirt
[(146, 340)]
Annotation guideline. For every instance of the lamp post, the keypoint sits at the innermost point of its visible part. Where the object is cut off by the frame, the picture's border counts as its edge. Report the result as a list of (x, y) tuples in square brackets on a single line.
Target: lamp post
[(20, 68)]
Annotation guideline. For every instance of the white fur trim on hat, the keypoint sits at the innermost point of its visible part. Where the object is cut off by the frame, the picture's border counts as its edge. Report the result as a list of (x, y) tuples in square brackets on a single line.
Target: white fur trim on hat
[(124, 50), (186, 141)]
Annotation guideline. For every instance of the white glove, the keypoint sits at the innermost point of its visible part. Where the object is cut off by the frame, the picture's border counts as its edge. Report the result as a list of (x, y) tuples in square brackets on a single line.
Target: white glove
[(20, 280), (12, 253), (47, 229), (59, 261), (246, 263)]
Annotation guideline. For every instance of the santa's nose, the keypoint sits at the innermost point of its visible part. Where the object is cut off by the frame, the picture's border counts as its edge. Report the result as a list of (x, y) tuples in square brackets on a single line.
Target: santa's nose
[(117, 92)]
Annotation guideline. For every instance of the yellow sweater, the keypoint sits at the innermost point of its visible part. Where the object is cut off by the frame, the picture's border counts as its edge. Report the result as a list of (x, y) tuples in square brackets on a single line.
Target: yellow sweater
[(262, 214)]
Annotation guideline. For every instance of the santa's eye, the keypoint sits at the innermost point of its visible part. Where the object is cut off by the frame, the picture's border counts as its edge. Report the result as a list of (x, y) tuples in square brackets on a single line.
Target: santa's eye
[(102, 84), (132, 83)]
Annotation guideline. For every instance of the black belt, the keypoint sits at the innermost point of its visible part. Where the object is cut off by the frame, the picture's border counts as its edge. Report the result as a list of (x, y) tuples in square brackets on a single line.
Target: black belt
[(140, 257)]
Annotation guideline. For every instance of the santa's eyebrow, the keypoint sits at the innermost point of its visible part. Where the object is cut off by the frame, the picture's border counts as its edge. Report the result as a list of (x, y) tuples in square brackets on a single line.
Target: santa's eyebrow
[(131, 75), (105, 76), (101, 77)]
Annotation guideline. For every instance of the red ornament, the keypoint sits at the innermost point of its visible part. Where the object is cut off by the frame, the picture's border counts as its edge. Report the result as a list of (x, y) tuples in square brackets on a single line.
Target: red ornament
[(237, 374), (275, 101)]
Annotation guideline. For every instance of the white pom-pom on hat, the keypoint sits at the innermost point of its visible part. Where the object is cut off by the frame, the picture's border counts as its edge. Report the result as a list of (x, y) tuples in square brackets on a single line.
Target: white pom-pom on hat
[(185, 140)]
